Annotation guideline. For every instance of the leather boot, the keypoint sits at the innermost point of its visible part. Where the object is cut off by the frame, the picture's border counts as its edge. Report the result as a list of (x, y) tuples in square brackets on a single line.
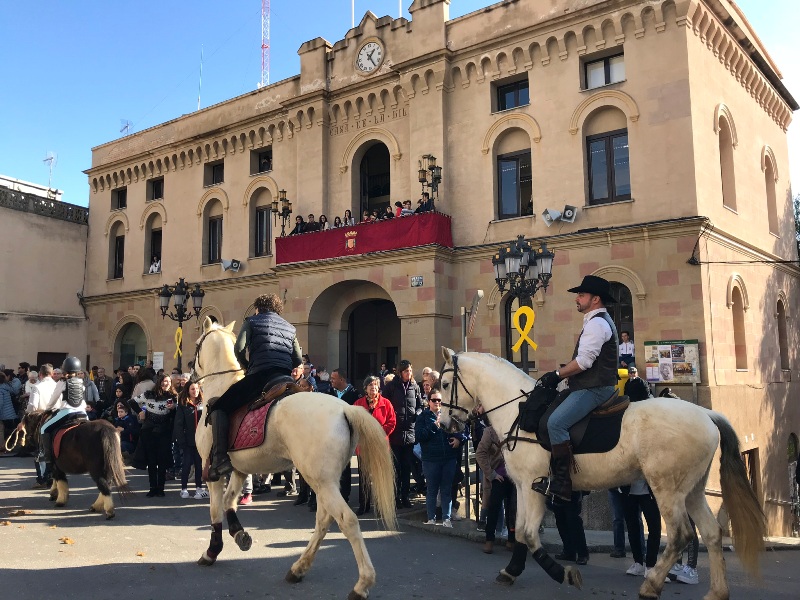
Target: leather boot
[(559, 484), (302, 492), (220, 461), (46, 447)]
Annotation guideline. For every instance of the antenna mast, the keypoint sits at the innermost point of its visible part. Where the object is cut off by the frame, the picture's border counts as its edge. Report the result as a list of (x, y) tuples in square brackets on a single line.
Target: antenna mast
[(50, 158), (265, 10)]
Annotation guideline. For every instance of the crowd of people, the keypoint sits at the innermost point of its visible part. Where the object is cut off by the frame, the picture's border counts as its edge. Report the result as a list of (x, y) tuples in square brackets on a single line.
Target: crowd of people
[(401, 209)]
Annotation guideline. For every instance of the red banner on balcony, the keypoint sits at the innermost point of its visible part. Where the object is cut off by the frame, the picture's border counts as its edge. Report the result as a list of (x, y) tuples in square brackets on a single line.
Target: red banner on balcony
[(401, 232)]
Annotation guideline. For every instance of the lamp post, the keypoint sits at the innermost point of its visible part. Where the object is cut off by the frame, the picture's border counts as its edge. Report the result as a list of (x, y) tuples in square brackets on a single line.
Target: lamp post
[(284, 211), (525, 270), (179, 293), (428, 166)]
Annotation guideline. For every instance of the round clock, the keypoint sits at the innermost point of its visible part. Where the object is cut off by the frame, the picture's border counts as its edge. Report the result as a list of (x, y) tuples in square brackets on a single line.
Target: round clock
[(370, 57)]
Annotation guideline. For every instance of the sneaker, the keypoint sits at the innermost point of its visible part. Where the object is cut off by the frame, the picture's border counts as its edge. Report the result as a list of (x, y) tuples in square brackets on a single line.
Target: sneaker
[(503, 534), (636, 569), (676, 570), (447, 523), (688, 575), (246, 499), (430, 522), (481, 526), (200, 493), (184, 493)]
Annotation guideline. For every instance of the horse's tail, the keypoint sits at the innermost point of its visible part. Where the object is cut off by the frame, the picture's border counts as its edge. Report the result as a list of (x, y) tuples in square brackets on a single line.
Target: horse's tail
[(375, 461), (747, 518), (115, 467)]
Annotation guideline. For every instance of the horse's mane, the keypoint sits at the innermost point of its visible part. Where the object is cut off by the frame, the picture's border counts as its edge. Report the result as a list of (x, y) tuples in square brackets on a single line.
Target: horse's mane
[(503, 362)]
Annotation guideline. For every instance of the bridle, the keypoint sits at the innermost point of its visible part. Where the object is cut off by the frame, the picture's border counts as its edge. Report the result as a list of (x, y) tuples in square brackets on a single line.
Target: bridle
[(196, 361), (512, 436)]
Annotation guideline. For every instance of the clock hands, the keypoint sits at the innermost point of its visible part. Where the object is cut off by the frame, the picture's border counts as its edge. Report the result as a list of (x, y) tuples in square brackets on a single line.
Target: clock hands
[(369, 56)]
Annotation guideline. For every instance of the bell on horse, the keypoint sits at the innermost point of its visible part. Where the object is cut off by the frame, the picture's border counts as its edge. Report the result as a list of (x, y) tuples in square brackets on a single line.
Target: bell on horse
[(669, 443)]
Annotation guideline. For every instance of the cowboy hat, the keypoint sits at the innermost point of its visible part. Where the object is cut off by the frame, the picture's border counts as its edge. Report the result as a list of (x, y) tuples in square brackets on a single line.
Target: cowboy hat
[(596, 286)]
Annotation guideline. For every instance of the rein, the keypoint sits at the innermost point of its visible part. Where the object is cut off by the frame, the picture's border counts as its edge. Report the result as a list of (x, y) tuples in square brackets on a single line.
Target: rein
[(16, 435), (196, 361), (453, 404)]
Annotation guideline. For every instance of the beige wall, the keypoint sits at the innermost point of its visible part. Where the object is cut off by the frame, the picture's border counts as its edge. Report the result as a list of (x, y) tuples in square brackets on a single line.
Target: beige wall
[(434, 94), (44, 261)]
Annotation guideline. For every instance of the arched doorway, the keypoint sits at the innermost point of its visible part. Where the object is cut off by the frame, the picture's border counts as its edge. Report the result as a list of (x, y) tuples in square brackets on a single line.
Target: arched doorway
[(374, 176), (373, 338), (130, 346), (621, 310)]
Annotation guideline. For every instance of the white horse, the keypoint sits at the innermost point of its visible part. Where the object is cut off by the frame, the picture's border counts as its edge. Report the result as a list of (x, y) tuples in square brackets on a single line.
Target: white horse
[(668, 442), (316, 433)]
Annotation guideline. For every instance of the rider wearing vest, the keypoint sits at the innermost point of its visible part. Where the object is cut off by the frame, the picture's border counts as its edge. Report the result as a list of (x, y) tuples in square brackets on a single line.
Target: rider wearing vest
[(69, 399), (592, 376), (273, 349)]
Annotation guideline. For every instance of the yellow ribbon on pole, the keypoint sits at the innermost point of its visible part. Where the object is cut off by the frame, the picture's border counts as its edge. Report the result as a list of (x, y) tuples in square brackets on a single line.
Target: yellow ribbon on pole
[(523, 332), (178, 340)]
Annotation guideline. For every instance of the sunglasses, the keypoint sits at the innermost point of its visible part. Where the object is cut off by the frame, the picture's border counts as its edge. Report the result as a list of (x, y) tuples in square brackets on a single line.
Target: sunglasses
[(434, 399)]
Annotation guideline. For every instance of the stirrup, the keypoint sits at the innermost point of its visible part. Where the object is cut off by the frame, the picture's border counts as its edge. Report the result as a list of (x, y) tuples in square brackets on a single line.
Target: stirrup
[(542, 486), (220, 471)]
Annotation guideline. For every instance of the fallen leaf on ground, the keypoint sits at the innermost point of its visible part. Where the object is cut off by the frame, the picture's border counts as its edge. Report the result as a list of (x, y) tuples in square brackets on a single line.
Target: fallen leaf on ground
[(53, 526), (140, 554), (66, 540), (19, 513), (22, 527), (5, 523)]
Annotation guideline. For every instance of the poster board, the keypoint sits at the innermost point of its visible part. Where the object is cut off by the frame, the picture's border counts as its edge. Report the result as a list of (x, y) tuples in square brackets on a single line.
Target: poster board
[(158, 360), (672, 361)]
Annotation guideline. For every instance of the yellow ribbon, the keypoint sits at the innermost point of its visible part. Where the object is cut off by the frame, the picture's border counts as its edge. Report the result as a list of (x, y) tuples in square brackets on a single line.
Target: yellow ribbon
[(523, 332), (178, 340)]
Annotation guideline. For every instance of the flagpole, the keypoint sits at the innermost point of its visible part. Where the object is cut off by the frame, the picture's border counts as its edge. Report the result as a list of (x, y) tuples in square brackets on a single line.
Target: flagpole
[(200, 85), (352, 13)]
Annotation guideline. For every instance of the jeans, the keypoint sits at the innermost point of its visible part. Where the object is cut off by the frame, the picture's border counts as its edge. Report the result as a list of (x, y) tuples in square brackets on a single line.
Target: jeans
[(617, 501), (570, 526), (577, 405), (439, 476), (503, 494), (191, 458), (403, 457), (647, 504)]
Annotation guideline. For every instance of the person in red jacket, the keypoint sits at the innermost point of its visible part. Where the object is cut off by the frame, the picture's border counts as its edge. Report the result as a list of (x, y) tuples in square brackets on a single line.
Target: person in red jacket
[(380, 408)]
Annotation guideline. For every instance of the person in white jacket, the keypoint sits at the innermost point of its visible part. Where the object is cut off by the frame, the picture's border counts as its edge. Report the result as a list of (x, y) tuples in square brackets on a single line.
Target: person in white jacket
[(41, 392)]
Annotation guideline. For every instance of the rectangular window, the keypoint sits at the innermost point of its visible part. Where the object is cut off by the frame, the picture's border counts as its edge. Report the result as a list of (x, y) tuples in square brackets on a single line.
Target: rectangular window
[(214, 240), (214, 173), (119, 198), (514, 185), (513, 95), (155, 244), (609, 167), (119, 257), (155, 189), (262, 231), (604, 71), (261, 160)]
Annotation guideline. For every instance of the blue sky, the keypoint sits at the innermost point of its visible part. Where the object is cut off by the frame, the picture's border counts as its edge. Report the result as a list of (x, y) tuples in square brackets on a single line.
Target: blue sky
[(74, 69)]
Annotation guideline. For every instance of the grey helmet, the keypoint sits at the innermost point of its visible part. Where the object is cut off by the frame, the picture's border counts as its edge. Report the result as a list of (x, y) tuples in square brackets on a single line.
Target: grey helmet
[(72, 364)]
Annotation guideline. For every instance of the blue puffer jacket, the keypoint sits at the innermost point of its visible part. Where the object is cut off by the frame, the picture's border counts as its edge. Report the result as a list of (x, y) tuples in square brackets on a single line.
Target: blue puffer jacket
[(435, 441), (7, 412)]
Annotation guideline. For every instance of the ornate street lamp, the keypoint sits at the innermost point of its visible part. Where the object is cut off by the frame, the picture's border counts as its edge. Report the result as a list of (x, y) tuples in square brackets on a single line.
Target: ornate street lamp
[(179, 293), (430, 175), (284, 211), (524, 270)]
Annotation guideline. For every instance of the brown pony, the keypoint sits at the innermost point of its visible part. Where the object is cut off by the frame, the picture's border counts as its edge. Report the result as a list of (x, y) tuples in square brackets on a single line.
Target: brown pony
[(92, 447)]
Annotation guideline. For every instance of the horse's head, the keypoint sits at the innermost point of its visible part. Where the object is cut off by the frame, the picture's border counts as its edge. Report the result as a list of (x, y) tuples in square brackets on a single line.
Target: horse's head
[(457, 396), (213, 352), (31, 423)]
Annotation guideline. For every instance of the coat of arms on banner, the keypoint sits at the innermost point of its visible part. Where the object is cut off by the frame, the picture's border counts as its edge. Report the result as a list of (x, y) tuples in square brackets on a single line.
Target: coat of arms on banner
[(350, 240)]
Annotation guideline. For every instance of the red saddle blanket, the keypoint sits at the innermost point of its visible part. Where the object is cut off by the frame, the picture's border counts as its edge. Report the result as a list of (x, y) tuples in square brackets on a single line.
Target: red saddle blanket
[(250, 430), (57, 439)]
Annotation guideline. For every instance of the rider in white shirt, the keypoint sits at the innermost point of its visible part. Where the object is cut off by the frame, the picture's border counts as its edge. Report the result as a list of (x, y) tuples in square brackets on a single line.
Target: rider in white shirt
[(69, 398)]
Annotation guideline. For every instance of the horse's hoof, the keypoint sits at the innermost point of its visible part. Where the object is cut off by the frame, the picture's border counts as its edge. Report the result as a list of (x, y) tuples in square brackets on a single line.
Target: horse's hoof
[(504, 578), (110, 516), (243, 540), (52, 498), (573, 577), (93, 509), (205, 562), (292, 578), (354, 595), (61, 504)]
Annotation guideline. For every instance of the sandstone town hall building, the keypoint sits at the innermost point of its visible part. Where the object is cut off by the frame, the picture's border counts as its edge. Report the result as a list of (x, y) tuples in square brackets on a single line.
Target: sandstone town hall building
[(663, 123)]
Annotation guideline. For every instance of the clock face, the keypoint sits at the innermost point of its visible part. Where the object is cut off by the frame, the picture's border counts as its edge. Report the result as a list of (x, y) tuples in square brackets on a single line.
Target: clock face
[(370, 57)]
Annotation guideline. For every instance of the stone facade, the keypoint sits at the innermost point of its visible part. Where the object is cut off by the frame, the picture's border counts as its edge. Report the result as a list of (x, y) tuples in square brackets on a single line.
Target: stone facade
[(704, 125)]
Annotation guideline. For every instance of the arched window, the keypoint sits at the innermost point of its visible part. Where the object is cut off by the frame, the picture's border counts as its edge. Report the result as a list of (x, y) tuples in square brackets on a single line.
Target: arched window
[(622, 310), (772, 204), (783, 339), (152, 242), (116, 251), (726, 164), (739, 338), (212, 232), (260, 229), (514, 174), (525, 352), (607, 156)]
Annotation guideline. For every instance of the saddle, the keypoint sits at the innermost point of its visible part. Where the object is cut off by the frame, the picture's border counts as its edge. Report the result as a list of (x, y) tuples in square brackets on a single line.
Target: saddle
[(596, 432), (66, 425), (248, 424)]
